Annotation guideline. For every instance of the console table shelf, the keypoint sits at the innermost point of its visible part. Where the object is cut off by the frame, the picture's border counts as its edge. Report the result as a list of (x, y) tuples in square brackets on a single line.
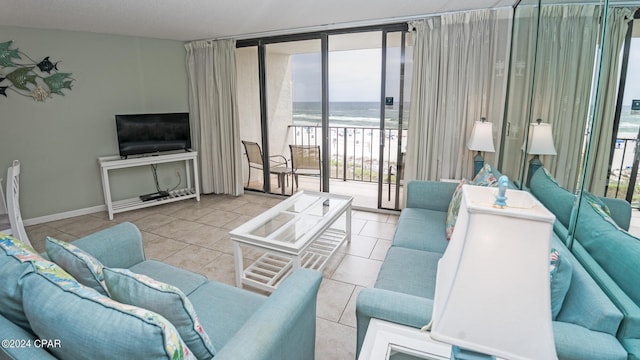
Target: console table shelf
[(115, 162)]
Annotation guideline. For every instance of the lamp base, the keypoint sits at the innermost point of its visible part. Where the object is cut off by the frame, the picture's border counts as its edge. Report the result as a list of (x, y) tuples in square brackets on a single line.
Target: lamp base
[(464, 354), (478, 163), (534, 165)]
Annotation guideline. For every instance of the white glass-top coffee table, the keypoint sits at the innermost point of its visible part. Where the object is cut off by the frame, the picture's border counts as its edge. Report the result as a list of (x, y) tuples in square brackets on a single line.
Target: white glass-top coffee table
[(304, 230)]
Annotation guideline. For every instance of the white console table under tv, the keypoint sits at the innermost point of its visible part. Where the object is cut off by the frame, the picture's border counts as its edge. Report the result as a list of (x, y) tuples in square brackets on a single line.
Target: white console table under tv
[(192, 189)]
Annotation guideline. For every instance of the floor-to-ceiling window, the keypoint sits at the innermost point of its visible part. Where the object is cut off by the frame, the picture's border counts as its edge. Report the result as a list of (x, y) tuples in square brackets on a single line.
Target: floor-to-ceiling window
[(339, 95)]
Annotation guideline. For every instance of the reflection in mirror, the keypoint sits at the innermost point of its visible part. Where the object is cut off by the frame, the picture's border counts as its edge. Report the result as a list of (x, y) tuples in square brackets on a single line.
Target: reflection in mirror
[(551, 80), (522, 67), (565, 71), (572, 81), (624, 162), (599, 238), (604, 129)]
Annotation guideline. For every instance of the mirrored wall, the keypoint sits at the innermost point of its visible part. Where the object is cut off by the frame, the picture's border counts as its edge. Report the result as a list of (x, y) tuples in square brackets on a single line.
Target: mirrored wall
[(565, 105)]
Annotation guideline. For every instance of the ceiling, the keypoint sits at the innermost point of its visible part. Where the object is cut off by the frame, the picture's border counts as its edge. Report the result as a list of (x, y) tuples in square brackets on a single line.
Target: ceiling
[(210, 19)]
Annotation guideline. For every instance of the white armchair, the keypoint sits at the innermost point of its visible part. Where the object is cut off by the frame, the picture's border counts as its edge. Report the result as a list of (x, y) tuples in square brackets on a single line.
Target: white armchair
[(13, 202)]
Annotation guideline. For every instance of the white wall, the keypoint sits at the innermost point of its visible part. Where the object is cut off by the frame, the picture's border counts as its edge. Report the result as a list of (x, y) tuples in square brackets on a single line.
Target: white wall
[(58, 141), (279, 103)]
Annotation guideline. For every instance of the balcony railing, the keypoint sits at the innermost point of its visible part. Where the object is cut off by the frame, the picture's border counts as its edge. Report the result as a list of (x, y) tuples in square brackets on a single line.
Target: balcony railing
[(620, 176), (354, 152)]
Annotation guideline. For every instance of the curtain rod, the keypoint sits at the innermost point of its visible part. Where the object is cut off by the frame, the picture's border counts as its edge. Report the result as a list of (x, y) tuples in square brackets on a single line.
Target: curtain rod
[(614, 4), (344, 25)]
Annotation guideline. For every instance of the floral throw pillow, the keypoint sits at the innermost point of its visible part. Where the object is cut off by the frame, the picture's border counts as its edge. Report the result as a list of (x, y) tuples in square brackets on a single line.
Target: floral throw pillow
[(454, 209), (167, 300), (90, 325), (599, 206), (485, 177), (77, 262), (15, 261)]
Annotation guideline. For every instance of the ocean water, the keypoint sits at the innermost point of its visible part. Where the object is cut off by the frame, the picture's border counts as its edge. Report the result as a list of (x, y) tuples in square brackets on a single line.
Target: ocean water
[(629, 123), (367, 114), (348, 114)]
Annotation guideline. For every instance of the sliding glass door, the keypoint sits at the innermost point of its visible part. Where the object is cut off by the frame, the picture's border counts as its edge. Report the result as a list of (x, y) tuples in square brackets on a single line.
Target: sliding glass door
[(355, 69), (332, 105), (294, 110), (397, 93)]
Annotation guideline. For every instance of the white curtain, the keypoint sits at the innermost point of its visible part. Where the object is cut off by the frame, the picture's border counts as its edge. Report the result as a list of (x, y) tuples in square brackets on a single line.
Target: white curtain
[(211, 67), (523, 52), (460, 66), (618, 20), (567, 40)]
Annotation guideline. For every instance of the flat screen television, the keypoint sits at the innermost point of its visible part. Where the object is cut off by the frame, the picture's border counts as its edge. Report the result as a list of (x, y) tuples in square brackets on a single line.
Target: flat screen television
[(151, 133)]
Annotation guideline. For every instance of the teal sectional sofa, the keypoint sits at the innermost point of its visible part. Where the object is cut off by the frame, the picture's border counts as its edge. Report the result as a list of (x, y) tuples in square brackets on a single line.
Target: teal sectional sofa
[(607, 251), (40, 301), (588, 323)]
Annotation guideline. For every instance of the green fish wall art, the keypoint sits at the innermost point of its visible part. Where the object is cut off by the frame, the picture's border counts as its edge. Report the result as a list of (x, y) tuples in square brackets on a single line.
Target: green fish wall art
[(30, 78)]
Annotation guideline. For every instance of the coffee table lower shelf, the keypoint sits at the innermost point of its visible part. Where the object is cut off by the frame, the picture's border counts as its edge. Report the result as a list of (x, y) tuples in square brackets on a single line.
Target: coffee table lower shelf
[(271, 268)]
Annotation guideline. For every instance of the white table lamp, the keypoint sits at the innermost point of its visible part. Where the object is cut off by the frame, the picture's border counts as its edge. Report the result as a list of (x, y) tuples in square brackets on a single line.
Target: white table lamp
[(481, 139), (492, 290), (540, 143)]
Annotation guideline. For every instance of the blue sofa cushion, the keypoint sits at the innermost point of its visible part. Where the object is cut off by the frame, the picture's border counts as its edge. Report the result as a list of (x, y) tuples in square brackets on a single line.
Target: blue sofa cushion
[(224, 309), (561, 270), (585, 304), (630, 325), (575, 342), (78, 263), (614, 249), (555, 198), (409, 271), (421, 229), (92, 326), (633, 348), (15, 262), (125, 237), (184, 280), (167, 300)]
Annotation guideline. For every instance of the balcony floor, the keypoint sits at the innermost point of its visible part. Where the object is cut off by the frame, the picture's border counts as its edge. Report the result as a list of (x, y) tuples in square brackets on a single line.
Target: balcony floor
[(365, 194)]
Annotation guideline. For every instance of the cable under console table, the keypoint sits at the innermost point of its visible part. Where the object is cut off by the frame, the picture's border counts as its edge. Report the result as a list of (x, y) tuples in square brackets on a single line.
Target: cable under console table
[(116, 162)]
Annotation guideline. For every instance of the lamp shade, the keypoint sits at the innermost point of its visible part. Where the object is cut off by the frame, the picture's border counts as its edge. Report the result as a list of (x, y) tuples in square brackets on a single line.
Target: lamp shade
[(540, 139), (481, 138), (492, 288)]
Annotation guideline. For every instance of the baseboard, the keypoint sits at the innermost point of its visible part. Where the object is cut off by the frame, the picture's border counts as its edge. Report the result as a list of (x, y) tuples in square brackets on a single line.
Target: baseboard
[(64, 215)]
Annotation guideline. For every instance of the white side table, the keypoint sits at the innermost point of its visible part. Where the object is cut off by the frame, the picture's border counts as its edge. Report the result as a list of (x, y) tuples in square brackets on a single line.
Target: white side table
[(384, 340)]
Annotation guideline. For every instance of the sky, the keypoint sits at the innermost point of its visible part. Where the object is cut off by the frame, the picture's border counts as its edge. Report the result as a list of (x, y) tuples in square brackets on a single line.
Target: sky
[(355, 75), (632, 87)]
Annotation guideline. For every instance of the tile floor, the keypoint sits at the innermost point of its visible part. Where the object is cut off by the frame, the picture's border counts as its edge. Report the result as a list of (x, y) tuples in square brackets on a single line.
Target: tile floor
[(195, 236)]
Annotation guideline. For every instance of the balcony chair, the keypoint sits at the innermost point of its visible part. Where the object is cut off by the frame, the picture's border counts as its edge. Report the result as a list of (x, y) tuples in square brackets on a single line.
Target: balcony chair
[(278, 163), (13, 202), (398, 171), (305, 160)]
